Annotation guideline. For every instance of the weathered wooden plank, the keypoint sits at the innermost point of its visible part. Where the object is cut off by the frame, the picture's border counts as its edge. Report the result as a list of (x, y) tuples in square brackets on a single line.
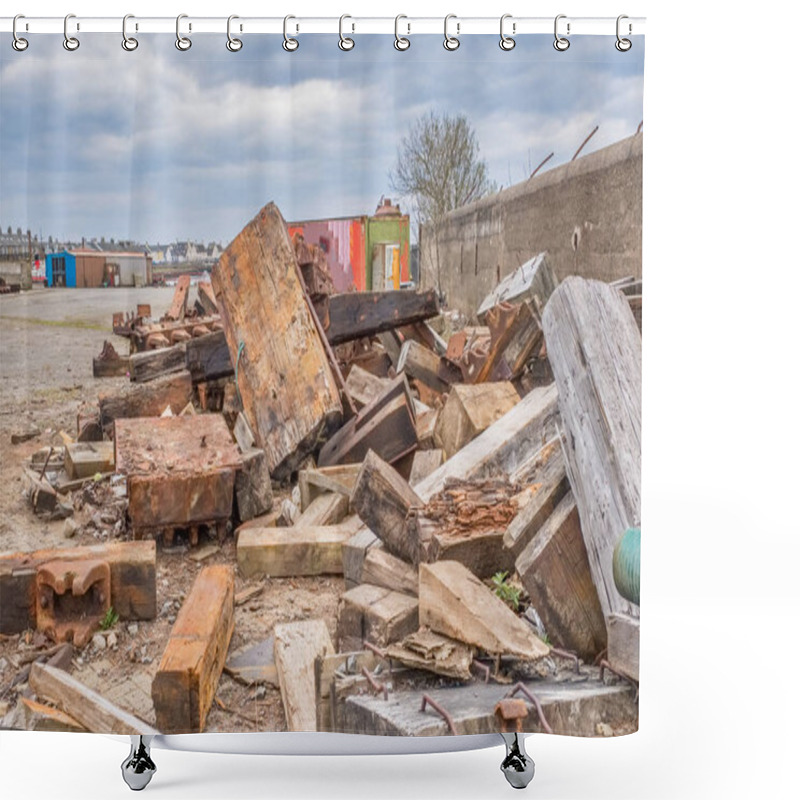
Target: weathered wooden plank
[(434, 653), (533, 281), (87, 707), (84, 459), (147, 399), (340, 478), (424, 463), (325, 509), (177, 309), (325, 676), (506, 447), (383, 500), (452, 601), (39, 717), (297, 647), (595, 350), (208, 357), (287, 387), (387, 425), (377, 615), (206, 299), (354, 315), (549, 487), (184, 687), (381, 568), (469, 410), (291, 552), (151, 364), (354, 552), (133, 580), (571, 709), (253, 486), (436, 372), (623, 644), (554, 569)]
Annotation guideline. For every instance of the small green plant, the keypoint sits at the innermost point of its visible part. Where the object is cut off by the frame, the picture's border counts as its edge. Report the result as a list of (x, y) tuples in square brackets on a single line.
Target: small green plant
[(109, 620), (507, 592)]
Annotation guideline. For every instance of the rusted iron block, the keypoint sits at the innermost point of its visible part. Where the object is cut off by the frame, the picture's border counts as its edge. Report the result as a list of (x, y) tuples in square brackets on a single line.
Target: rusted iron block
[(72, 597), (511, 710)]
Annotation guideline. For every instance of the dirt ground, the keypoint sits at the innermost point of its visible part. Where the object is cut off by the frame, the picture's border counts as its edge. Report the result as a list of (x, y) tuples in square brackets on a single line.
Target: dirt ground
[(48, 338)]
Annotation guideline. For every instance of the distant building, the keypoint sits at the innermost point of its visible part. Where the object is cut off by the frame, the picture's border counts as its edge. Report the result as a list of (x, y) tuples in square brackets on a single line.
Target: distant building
[(368, 253), (90, 268)]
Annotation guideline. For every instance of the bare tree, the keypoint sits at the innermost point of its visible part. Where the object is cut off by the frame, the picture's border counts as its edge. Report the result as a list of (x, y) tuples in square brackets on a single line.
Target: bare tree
[(439, 167)]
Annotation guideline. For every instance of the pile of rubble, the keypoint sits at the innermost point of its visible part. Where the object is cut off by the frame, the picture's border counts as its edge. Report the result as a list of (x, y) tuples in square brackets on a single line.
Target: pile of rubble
[(472, 484)]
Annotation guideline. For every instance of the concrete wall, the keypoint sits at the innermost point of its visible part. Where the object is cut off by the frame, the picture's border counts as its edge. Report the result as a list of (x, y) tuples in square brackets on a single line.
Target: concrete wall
[(586, 214)]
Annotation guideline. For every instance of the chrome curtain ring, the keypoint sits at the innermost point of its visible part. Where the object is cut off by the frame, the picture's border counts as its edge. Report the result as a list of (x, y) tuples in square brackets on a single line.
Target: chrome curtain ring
[(450, 42), (18, 43), (289, 44), (129, 43), (623, 45), (400, 42), (233, 44), (183, 43), (71, 43), (561, 43), (507, 42), (345, 42)]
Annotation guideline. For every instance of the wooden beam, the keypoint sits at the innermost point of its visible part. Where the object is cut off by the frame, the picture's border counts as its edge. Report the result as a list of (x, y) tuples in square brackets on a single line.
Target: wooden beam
[(354, 315), (354, 552), (623, 644), (88, 708), (374, 614), (554, 570), (133, 580), (85, 459), (504, 448), (39, 717), (151, 364), (469, 410), (253, 486), (325, 509), (147, 399), (291, 552), (287, 387), (381, 568), (595, 350), (340, 478), (453, 602), (208, 357), (297, 647), (424, 463), (436, 372), (549, 487), (387, 425), (186, 682), (383, 500), (177, 309)]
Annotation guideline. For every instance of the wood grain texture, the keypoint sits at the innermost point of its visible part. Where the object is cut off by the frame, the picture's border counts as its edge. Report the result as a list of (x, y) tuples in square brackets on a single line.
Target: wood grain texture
[(298, 645), (595, 350), (85, 706), (554, 569), (453, 602), (381, 568), (186, 682), (623, 644), (291, 552), (147, 399), (287, 387), (383, 499), (375, 614)]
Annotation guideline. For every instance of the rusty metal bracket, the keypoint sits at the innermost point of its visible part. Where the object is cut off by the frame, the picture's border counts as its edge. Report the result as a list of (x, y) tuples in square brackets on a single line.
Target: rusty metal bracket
[(482, 668), (376, 685), (604, 665), (521, 687), (427, 700), (569, 655)]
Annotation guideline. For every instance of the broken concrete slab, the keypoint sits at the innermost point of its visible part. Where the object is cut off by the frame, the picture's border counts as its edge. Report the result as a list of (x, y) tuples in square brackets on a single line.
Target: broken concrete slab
[(435, 653)]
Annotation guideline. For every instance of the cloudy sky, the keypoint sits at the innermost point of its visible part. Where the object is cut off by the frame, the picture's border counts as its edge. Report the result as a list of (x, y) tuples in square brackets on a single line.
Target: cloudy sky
[(159, 145)]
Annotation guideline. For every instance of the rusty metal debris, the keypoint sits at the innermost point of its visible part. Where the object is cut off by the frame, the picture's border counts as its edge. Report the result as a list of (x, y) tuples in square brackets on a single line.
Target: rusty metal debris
[(427, 700), (376, 685), (523, 689)]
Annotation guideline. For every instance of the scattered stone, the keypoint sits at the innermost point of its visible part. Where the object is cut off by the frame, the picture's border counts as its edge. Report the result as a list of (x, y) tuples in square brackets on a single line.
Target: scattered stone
[(133, 629), (70, 528), (260, 693), (99, 641), (603, 729), (25, 436), (111, 639)]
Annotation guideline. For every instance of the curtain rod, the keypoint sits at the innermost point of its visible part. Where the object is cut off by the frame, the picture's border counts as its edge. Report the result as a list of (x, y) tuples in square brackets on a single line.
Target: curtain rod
[(406, 26)]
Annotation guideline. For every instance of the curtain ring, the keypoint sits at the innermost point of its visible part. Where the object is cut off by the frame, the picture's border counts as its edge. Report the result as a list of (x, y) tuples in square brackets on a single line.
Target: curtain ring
[(450, 42), (129, 43), (71, 43), (623, 45), (400, 42), (345, 42), (183, 43), (289, 44), (561, 43), (233, 44), (507, 42), (18, 43)]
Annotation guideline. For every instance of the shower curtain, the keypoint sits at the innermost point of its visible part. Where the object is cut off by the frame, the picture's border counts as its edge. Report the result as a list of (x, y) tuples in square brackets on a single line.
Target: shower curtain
[(321, 384)]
